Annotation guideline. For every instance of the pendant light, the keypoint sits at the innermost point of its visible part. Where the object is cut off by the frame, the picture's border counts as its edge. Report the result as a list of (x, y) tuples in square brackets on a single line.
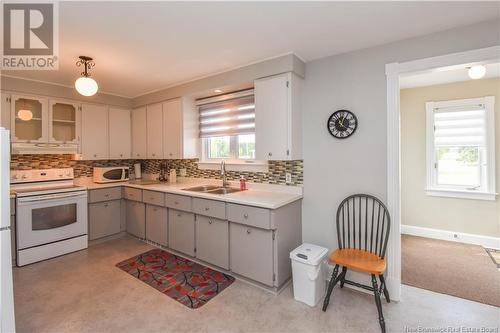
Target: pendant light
[(25, 113), (86, 85)]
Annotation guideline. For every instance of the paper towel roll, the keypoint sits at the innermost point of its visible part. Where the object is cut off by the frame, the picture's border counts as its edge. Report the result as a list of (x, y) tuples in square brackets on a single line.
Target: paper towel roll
[(137, 170)]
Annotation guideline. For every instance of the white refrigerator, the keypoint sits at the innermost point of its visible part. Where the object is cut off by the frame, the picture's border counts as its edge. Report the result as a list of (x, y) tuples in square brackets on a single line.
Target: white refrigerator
[(7, 321)]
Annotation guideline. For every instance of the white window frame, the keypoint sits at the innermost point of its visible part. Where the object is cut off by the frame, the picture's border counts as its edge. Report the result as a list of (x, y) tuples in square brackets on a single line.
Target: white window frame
[(487, 191), (232, 163)]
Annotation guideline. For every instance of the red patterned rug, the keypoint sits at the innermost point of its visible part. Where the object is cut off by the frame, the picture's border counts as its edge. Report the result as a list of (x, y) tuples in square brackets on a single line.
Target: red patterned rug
[(187, 282)]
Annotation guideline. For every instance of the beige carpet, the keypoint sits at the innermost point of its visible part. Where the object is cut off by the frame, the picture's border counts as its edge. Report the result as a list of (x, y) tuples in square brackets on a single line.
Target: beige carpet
[(456, 269)]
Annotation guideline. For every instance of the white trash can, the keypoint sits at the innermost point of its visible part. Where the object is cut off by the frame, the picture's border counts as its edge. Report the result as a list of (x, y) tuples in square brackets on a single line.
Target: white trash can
[(307, 268)]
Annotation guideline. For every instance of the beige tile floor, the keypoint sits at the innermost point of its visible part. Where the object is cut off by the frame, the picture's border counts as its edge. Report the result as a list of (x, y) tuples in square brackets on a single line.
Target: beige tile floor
[(85, 292)]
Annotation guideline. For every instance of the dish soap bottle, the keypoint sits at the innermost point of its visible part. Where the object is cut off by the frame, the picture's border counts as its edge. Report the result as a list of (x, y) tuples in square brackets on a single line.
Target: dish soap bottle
[(243, 183)]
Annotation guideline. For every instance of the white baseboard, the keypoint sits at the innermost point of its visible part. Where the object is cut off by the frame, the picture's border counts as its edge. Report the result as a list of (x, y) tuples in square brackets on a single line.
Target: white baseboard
[(485, 241)]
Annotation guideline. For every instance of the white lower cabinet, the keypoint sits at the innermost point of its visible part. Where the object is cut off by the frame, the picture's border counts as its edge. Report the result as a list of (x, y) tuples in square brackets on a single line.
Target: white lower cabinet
[(157, 224), (136, 218), (252, 253), (212, 240), (104, 219), (181, 236)]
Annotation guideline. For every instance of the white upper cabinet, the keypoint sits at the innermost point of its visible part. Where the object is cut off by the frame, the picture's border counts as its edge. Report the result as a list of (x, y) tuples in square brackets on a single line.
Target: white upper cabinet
[(5, 111), (277, 118), (119, 133), (95, 137), (172, 129), (180, 129), (154, 131), (64, 121), (29, 119), (139, 133)]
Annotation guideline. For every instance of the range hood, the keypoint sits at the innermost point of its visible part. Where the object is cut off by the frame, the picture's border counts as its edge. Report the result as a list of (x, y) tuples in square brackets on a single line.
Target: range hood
[(44, 148)]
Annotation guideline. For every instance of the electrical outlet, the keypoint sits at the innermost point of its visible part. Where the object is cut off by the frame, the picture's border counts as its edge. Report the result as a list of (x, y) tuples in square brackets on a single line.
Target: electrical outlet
[(288, 177), (183, 172)]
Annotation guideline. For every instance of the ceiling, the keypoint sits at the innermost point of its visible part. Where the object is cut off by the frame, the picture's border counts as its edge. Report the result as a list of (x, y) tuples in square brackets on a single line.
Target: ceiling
[(445, 76), (140, 47)]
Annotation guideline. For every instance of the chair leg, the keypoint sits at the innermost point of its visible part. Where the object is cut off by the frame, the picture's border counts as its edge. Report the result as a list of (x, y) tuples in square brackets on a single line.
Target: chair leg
[(331, 284), (378, 303), (342, 276), (383, 286)]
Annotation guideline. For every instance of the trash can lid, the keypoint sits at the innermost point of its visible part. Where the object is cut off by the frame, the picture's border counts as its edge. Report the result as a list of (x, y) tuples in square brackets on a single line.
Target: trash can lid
[(309, 254)]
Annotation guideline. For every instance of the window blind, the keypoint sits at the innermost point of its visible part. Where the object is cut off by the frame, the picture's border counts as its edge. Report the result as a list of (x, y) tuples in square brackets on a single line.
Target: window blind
[(228, 117), (460, 126)]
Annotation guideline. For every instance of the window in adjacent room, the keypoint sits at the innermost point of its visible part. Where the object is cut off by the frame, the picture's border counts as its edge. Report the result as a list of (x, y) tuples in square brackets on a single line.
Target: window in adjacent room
[(227, 127), (461, 148)]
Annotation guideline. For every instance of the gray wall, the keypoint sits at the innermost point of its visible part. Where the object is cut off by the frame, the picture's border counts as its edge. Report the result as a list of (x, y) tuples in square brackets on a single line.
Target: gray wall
[(334, 169)]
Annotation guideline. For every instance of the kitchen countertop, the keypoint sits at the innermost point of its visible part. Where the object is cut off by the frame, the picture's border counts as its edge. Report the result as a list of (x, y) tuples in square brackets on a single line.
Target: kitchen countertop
[(258, 195)]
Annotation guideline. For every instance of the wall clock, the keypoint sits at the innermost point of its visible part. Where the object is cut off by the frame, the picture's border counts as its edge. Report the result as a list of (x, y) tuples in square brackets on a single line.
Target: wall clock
[(342, 124)]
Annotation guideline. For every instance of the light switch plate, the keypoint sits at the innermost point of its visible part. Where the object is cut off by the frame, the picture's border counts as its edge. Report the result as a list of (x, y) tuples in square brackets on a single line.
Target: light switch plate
[(288, 177)]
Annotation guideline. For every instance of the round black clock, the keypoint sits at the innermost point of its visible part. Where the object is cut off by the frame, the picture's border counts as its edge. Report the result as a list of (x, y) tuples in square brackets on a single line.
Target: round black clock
[(342, 124)]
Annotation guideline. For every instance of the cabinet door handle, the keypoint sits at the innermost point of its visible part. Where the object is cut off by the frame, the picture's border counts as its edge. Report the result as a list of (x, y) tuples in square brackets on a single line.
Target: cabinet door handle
[(106, 195), (95, 155), (155, 209), (209, 221), (270, 154), (106, 205), (154, 154), (207, 209), (137, 154), (121, 155), (249, 231), (178, 214), (170, 154), (245, 215), (176, 203)]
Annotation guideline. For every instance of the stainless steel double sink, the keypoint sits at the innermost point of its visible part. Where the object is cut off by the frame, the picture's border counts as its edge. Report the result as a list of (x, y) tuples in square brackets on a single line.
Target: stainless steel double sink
[(213, 189)]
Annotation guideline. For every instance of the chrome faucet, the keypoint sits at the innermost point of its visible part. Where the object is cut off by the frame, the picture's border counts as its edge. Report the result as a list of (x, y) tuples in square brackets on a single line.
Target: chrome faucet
[(223, 173)]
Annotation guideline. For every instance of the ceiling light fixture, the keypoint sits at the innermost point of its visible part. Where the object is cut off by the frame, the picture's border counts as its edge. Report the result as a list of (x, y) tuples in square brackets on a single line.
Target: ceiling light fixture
[(476, 72), (217, 91), (86, 85)]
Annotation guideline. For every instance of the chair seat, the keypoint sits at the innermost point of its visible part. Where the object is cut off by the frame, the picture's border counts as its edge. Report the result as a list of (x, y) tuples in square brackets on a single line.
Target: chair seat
[(358, 260)]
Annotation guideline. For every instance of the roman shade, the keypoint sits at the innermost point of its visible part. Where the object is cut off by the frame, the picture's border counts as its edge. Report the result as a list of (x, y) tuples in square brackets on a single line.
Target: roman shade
[(464, 126), (231, 116)]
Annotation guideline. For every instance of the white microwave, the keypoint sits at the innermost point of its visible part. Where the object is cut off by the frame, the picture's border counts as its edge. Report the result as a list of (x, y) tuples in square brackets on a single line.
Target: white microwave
[(110, 174)]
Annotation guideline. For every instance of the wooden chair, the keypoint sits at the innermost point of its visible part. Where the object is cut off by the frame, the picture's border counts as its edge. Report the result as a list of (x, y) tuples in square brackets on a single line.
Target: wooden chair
[(363, 225)]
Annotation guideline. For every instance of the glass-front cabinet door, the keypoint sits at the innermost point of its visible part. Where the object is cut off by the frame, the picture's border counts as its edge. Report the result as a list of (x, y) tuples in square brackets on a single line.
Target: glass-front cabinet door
[(29, 119), (63, 121)]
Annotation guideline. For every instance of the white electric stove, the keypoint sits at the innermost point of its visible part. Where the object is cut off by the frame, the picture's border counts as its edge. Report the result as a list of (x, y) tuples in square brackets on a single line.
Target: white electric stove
[(51, 214)]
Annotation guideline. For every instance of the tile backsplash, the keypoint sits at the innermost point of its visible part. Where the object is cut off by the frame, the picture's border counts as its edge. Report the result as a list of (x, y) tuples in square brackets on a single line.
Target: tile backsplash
[(276, 174)]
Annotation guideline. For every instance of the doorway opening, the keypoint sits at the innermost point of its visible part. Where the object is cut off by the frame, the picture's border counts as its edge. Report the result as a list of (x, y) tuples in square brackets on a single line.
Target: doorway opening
[(438, 161)]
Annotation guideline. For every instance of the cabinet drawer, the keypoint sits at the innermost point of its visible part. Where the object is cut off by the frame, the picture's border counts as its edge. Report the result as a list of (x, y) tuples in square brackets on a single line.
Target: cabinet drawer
[(212, 241), (130, 193), (181, 235), (252, 253), (153, 197), (104, 219), (257, 217), (209, 208), (105, 194), (156, 224), (180, 202)]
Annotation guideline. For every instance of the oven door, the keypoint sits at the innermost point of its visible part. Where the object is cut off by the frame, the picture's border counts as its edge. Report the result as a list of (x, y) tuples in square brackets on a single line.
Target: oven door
[(49, 218)]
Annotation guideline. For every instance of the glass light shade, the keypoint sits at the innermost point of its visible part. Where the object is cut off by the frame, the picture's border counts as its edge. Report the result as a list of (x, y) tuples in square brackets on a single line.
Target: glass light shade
[(477, 72), (86, 86), (25, 115)]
